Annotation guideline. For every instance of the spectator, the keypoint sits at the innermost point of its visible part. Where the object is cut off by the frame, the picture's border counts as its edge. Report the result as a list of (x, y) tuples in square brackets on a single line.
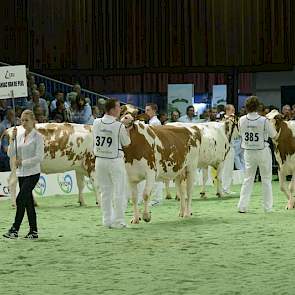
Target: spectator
[(190, 116), (58, 96), (59, 114), (220, 112), (37, 100), (286, 111), (163, 117), (4, 159), (77, 88), (82, 113), (175, 115), (96, 113), (43, 93), (3, 107), (212, 115), (39, 114), (8, 121)]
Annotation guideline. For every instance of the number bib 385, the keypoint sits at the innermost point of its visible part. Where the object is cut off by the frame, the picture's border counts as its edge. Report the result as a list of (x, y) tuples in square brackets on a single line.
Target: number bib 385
[(253, 133)]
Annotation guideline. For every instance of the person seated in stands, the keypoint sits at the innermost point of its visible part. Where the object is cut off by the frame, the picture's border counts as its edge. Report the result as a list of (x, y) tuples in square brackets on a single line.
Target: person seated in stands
[(58, 96), (286, 111), (59, 114), (39, 114), (8, 121), (77, 88), (175, 115), (96, 113), (4, 159), (43, 93), (3, 107), (37, 100), (190, 116), (82, 113), (163, 117)]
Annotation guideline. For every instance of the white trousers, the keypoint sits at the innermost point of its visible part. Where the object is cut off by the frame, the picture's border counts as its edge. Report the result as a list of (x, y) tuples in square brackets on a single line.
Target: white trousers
[(227, 170), (111, 178), (239, 155), (263, 160)]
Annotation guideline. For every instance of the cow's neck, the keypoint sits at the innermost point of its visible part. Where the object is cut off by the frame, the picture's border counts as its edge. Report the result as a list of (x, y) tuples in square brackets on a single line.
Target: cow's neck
[(229, 129)]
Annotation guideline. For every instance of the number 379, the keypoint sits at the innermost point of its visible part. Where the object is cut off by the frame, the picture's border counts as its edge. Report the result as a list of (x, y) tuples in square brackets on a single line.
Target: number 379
[(101, 140)]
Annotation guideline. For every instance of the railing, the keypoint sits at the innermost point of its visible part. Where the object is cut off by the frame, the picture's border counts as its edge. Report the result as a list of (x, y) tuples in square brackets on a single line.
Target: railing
[(53, 85)]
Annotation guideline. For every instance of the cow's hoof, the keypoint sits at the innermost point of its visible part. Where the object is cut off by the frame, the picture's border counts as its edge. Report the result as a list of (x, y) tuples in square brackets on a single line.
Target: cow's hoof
[(177, 198), (135, 220), (168, 197), (181, 214), (147, 217), (219, 195), (82, 204), (203, 195)]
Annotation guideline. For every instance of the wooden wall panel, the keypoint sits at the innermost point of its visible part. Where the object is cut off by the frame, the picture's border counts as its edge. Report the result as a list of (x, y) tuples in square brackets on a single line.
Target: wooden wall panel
[(156, 40)]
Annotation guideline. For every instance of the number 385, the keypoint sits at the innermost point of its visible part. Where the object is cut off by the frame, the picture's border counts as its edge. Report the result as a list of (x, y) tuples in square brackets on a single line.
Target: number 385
[(250, 136), (102, 140)]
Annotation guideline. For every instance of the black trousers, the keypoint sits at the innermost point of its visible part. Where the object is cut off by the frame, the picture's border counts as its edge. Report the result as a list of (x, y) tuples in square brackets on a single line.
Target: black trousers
[(25, 201)]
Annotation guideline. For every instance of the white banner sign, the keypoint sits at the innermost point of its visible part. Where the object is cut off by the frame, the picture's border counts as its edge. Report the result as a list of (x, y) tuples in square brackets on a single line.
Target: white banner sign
[(219, 95), (13, 78), (50, 185), (180, 96)]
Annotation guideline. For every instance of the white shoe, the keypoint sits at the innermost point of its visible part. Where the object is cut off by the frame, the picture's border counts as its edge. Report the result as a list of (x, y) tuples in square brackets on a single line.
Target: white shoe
[(229, 193), (154, 203), (119, 226)]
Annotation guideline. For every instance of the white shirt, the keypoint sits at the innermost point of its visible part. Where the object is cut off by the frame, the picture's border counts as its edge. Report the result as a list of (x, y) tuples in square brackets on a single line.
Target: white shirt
[(30, 152), (255, 131), (109, 136), (186, 119), (154, 121)]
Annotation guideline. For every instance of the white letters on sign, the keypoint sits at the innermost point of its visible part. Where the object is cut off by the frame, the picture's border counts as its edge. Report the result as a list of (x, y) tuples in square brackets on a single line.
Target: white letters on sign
[(13, 78)]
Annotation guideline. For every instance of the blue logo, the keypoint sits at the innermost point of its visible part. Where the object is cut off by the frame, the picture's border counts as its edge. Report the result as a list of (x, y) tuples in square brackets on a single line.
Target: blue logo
[(65, 183), (40, 187)]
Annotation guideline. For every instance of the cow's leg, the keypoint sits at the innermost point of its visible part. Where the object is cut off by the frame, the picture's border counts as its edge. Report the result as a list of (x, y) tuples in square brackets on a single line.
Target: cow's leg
[(150, 182), (167, 190), (181, 191), (292, 190), (284, 187), (189, 188), (134, 198), (204, 181), (218, 178), (96, 189), (80, 184)]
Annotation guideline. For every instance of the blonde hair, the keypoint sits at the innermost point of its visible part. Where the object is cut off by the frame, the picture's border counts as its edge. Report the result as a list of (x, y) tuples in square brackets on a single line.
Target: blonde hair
[(30, 114)]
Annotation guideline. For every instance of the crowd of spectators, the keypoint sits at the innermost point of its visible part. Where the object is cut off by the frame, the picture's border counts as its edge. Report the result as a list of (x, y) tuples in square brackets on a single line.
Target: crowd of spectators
[(75, 108)]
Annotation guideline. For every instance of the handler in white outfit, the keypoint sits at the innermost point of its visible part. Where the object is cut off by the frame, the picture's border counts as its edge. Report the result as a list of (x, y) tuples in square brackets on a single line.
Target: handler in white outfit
[(109, 136), (255, 131), (157, 192)]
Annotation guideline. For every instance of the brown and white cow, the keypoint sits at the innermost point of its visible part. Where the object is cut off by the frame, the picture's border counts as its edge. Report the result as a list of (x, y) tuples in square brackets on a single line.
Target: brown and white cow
[(215, 145), (284, 145), (159, 153), (67, 147)]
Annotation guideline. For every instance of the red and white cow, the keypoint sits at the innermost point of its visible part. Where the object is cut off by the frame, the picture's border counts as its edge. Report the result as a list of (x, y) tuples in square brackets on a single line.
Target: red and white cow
[(215, 145), (284, 145), (67, 147), (159, 153)]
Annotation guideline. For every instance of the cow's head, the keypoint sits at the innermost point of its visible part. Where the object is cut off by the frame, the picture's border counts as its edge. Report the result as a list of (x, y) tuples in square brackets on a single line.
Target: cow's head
[(276, 118), (129, 109), (231, 127), (128, 119)]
